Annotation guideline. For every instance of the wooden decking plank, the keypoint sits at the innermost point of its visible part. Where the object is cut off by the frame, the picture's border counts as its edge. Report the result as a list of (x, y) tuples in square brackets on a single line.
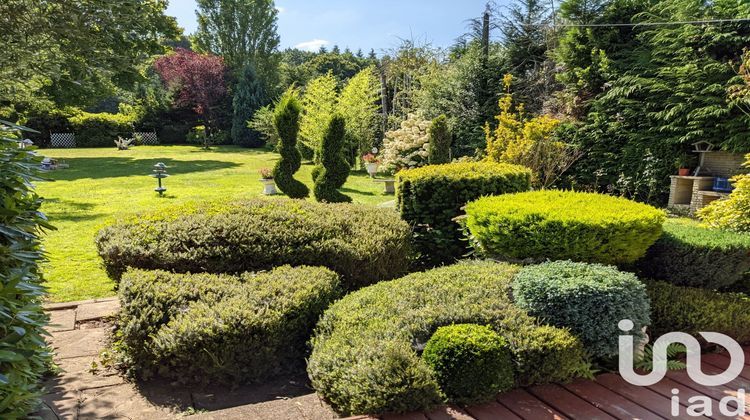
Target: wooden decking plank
[(640, 395), (567, 403), (528, 406), (404, 416), (491, 411), (448, 412), (721, 361), (716, 393), (608, 401)]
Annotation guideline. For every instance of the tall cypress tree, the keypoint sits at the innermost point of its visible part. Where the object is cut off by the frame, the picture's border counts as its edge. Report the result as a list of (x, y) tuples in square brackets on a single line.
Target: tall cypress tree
[(249, 96)]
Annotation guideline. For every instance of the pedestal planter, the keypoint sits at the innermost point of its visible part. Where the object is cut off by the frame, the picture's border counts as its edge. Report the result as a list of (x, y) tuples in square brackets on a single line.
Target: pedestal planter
[(372, 168), (269, 187)]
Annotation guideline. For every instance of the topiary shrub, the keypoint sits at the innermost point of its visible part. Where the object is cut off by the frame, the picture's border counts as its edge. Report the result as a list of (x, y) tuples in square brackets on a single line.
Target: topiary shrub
[(440, 141), (560, 225), (732, 213), (688, 254), (100, 130), (219, 328), (590, 299), (429, 198), (286, 119), (472, 363), (333, 171), (363, 244), (692, 310), (366, 348)]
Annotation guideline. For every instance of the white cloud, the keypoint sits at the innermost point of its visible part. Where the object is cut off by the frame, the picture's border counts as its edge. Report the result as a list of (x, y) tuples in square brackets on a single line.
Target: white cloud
[(312, 45), (280, 9)]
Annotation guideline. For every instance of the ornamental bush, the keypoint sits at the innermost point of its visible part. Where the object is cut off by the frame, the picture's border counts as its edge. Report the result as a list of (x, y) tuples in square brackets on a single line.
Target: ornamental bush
[(333, 171), (100, 130), (366, 348), (406, 147), (692, 310), (472, 363), (363, 244), (590, 299), (429, 198), (221, 328), (732, 213), (688, 254), (440, 141), (286, 119), (561, 225)]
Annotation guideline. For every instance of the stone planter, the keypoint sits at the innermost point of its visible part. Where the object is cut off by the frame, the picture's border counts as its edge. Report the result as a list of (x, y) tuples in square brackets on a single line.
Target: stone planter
[(269, 187), (372, 168)]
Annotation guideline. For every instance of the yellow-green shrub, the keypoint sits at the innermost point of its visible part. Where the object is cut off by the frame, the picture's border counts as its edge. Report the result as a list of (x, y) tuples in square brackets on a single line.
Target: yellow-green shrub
[(430, 197), (561, 225), (733, 213), (100, 130)]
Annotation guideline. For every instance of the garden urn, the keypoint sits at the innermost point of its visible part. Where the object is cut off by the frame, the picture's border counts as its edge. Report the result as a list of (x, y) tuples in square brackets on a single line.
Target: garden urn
[(372, 168), (269, 187)]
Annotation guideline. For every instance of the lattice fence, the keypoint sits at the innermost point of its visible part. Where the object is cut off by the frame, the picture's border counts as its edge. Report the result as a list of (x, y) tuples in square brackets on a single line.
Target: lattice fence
[(147, 137), (62, 140)]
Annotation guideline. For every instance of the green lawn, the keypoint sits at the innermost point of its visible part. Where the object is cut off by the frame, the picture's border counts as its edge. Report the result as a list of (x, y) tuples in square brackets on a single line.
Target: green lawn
[(103, 185)]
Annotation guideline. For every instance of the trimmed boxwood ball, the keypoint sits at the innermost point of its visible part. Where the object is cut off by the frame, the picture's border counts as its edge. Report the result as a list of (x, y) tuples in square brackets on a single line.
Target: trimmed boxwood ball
[(590, 299), (430, 197), (366, 349), (362, 243), (472, 363), (562, 225), (688, 254), (221, 328)]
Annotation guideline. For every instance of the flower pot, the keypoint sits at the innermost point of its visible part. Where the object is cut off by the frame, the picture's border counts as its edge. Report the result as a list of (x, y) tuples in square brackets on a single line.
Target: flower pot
[(269, 187), (683, 171), (372, 168)]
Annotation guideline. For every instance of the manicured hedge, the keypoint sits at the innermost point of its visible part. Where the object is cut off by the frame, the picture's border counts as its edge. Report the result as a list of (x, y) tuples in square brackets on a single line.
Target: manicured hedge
[(692, 310), (563, 225), (221, 328), (100, 130), (366, 359), (590, 299), (472, 363), (688, 254), (363, 244), (430, 197)]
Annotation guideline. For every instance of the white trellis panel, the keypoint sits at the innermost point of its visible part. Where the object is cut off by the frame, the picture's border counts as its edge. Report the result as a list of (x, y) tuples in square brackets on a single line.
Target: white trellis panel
[(62, 140), (147, 137)]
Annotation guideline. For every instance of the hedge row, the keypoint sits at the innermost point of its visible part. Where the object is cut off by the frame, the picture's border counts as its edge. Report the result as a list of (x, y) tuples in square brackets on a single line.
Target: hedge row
[(221, 328), (101, 129), (563, 225), (692, 310), (690, 255), (362, 244), (430, 197), (366, 348)]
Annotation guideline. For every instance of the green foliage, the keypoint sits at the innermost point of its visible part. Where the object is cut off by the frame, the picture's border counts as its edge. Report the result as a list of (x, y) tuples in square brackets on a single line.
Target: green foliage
[(365, 356), (24, 357), (100, 130), (675, 353), (358, 104), (732, 213), (363, 244), (429, 198), (692, 310), (244, 32), (688, 254), (319, 105), (286, 120), (249, 96), (263, 124), (559, 225), (590, 299), (440, 141), (333, 170), (219, 328), (472, 363)]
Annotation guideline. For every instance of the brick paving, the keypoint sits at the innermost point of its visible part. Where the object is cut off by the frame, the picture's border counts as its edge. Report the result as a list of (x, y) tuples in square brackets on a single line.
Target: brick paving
[(83, 390)]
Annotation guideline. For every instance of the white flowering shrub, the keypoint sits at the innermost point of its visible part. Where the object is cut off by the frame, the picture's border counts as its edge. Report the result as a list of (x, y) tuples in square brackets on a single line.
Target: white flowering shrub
[(408, 146)]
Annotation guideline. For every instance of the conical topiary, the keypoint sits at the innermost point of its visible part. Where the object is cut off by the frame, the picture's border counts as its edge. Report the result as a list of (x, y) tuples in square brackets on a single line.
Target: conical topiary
[(286, 119), (334, 170)]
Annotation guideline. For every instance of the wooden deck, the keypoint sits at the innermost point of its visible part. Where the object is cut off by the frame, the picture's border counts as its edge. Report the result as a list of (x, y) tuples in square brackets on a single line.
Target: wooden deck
[(608, 397)]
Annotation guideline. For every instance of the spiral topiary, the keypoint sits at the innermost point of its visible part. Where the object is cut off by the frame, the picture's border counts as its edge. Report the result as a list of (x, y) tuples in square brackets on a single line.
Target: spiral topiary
[(286, 120), (334, 170), (440, 141)]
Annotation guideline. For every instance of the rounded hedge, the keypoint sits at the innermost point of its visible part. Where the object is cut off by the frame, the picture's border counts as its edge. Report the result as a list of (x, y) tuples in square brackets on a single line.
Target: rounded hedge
[(563, 225), (366, 348), (590, 299), (688, 254), (472, 363), (431, 197), (221, 328), (363, 244)]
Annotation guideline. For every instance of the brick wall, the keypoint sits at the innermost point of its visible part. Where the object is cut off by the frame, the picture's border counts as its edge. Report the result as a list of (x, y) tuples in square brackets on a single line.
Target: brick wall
[(721, 163)]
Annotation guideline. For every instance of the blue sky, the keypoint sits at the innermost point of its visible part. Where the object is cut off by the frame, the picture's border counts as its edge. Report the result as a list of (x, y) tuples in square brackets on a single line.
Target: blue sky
[(359, 23)]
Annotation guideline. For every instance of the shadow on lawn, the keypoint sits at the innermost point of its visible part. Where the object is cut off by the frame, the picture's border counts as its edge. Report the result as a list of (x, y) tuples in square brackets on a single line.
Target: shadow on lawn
[(114, 167)]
